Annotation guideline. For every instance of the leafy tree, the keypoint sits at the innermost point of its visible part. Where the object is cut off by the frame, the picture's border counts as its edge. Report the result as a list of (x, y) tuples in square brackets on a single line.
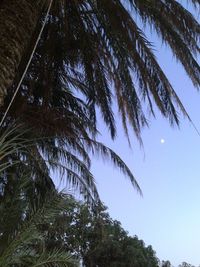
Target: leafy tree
[(98, 240)]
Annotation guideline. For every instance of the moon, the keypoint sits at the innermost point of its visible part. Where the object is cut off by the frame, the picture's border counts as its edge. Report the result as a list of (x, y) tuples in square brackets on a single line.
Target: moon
[(162, 141)]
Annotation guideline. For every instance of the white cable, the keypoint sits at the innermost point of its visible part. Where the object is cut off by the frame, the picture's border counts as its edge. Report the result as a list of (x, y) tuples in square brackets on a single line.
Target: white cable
[(27, 66)]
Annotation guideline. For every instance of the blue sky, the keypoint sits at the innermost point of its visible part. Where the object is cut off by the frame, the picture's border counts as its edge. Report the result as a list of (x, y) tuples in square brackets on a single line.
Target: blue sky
[(168, 215)]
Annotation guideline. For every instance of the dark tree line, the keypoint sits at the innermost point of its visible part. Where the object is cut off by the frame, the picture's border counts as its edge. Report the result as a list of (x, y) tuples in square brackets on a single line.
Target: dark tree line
[(98, 240)]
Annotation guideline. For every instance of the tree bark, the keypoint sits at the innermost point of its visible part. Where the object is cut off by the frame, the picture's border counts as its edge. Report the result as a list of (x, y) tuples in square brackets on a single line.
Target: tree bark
[(18, 20)]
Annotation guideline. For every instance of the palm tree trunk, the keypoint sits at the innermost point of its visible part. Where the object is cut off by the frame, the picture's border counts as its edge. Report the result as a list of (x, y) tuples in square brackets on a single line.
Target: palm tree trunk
[(18, 19)]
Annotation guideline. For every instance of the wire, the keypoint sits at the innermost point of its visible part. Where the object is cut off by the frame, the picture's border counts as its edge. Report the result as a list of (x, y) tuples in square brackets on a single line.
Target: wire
[(28, 64)]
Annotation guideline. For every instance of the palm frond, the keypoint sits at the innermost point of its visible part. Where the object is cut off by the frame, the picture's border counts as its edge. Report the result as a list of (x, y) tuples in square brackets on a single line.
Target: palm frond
[(120, 64), (25, 245), (39, 156), (98, 148), (178, 28), (56, 258)]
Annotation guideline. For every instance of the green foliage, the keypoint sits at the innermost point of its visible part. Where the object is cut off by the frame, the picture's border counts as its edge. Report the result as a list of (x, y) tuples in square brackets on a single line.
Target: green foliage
[(22, 240), (98, 240)]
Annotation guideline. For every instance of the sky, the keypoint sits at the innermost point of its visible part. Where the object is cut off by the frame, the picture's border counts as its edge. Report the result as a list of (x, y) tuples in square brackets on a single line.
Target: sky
[(168, 171)]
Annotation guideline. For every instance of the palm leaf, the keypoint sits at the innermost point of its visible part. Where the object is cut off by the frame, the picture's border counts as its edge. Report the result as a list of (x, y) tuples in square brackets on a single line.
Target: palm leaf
[(56, 258)]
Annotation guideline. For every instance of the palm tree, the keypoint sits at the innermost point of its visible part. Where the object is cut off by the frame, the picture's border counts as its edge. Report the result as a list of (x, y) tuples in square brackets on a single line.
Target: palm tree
[(90, 55), (89, 45)]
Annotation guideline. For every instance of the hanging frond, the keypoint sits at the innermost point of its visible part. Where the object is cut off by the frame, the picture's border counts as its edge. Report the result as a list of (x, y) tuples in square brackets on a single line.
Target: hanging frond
[(119, 65), (39, 156), (109, 154), (177, 27)]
